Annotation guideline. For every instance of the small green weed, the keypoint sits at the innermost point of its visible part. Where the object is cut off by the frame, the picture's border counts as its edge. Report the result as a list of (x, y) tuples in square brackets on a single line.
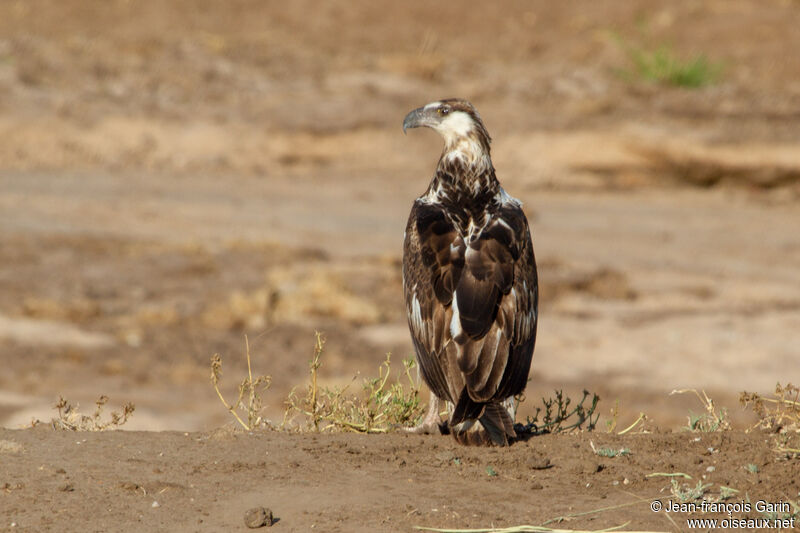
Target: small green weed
[(686, 493), (712, 420), (606, 451), (661, 64), (557, 417)]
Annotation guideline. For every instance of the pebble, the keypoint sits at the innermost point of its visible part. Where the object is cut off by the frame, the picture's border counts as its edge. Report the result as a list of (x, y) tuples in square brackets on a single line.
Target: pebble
[(258, 517)]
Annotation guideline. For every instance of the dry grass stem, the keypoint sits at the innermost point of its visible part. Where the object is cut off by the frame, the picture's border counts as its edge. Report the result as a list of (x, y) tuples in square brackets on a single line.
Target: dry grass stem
[(595, 511), (642, 418), (249, 388), (532, 529), (780, 414), (611, 424), (380, 407), (669, 474)]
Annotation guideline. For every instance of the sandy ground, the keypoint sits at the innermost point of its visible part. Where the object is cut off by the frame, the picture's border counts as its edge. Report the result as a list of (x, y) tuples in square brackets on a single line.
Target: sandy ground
[(174, 177), (172, 481)]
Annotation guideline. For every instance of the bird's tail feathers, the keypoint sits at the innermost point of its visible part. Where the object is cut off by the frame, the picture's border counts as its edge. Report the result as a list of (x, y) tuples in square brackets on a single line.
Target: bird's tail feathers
[(495, 428)]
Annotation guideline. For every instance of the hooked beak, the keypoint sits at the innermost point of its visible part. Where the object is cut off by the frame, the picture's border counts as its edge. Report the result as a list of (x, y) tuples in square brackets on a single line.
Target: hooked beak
[(416, 119)]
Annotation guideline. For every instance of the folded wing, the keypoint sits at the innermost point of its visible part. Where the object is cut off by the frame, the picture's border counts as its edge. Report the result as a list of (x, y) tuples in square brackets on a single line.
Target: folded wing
[(471, 305)]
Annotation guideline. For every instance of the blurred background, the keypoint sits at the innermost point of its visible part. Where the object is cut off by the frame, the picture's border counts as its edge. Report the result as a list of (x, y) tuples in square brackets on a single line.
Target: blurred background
[(175, 175)]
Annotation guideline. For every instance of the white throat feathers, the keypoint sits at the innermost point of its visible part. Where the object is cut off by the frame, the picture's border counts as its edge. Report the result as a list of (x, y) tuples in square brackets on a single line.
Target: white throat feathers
[(462, 140)]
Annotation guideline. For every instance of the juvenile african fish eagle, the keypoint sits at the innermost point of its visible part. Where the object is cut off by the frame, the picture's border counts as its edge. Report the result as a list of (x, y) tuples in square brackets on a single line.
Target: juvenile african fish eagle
[(470, 282)]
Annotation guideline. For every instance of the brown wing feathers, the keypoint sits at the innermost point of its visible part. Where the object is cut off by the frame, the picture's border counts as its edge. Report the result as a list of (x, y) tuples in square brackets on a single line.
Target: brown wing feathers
[(476, 283), (442, 250), (485, 282), (433, 260)]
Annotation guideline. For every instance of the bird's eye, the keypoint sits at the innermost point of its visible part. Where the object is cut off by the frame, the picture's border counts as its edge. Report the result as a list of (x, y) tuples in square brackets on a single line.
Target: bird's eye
[(443, 110)]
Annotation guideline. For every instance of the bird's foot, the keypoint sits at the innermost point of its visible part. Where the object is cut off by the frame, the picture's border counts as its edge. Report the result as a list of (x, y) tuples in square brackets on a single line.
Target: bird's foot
[(427, 427), (432, 423)]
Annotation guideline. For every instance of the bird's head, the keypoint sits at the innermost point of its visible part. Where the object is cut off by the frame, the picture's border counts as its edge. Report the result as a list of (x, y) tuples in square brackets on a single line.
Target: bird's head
[(458, 122)]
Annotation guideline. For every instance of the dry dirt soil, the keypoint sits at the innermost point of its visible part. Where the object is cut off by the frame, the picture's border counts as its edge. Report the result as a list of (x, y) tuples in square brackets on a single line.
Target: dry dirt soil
[(171, 481), (177, 175)]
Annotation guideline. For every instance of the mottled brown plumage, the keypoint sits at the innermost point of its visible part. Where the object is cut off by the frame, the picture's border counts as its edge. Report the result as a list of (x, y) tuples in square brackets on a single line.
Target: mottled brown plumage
[(470, 282)]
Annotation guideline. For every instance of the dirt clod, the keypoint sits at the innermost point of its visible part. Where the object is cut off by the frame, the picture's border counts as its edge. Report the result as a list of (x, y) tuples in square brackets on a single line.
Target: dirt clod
[(258, 517), (445, 456), (539, 463)]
